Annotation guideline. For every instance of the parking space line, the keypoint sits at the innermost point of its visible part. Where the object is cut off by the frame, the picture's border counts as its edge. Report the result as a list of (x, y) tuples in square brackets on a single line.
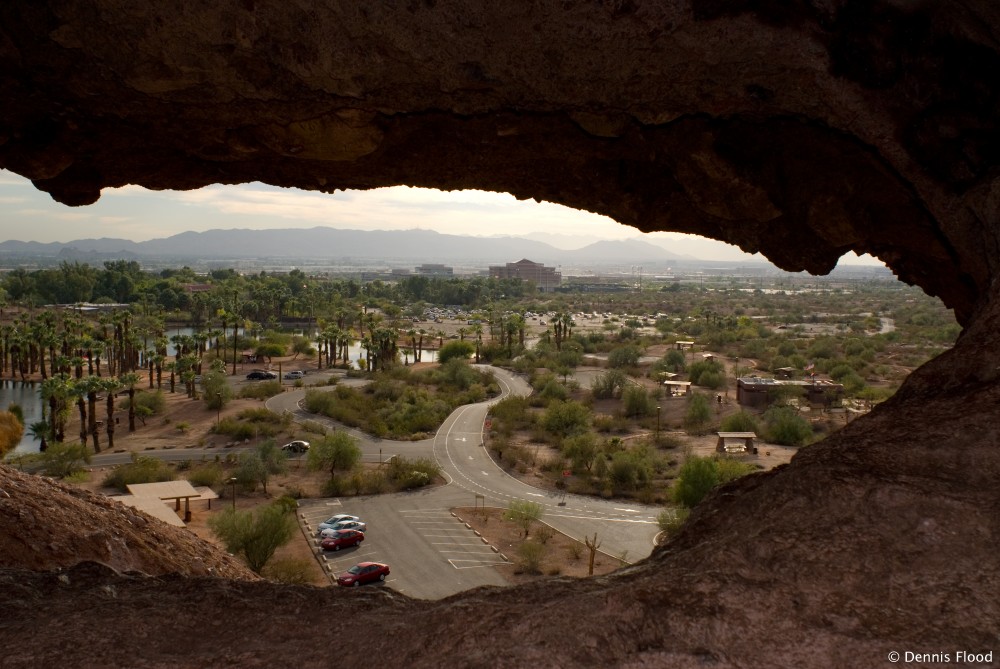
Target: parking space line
[(455, 543), (488, 551)]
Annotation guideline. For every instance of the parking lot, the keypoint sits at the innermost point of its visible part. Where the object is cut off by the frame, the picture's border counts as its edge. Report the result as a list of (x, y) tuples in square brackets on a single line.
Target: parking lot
[(430, 553)]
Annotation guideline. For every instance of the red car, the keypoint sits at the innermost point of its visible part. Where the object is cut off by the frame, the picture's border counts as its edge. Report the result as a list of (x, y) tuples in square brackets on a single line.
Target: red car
[(364, 572), (342, 538)]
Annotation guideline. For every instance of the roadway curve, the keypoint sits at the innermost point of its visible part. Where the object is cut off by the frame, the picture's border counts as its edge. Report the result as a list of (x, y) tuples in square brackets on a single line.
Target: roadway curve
[(624, 529)]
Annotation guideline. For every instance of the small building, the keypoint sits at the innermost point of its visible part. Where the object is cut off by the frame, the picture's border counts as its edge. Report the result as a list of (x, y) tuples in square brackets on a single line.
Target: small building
[(784, 372), (677, 388), (736, 443), (756, 391), (683, 345)]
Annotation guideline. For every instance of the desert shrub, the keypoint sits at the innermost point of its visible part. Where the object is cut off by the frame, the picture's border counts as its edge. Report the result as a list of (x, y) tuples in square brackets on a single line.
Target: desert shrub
[(140, 470), (701, 367), (335, 486), (783, 425), (407, 474), (565, 418), (608, 385), (581, 450), (523, 513), (671, 520), (733, 469), (291, 571), (636, 401), (261, 390), (624, 356), (741, 421), (208, 474), (695, 480), (512, 413), (62, 460), (313, 427), (530, 555), (554, 390), (149, 403), (698, 413), (543, 534), (712, 380), (461, 350), (254, 535)]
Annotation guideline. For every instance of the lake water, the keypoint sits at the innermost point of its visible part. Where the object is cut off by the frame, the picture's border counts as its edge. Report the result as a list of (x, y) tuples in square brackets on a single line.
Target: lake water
[(31, 403)]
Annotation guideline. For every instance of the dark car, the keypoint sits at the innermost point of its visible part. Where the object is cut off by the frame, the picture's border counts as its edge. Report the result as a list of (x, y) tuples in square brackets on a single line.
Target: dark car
[(257, 375), (364, 572), (296, 447), (342, 539)]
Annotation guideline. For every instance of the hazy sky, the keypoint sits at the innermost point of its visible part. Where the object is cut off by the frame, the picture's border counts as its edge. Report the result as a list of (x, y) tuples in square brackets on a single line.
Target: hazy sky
[(137, 214)]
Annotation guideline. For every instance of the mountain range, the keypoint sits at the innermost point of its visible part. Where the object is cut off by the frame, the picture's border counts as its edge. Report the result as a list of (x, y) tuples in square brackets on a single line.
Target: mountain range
[(350, 245)]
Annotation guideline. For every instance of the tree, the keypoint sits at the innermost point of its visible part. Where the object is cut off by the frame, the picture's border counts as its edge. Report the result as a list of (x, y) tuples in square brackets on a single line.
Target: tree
[(783, 425), (523, 513), (255, 536), (698, 413), (565, 418), (216, 390), (11, 431), (456, 349), (270, 350), (624, 356), (260, 464), (637, 402), (336, 451), (741, 421), (129, 381), (696, 478), (581, 450)]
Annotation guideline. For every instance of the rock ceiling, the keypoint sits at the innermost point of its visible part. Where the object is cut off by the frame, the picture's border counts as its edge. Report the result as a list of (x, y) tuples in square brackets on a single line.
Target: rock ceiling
[(799, 129)]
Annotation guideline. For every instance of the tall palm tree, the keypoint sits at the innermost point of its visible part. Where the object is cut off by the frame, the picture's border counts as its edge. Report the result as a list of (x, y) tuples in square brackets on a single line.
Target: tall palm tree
[(129, 382), (111, 387)]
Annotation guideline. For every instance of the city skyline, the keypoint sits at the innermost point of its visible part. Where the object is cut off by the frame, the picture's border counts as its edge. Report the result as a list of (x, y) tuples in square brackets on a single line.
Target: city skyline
[(137, 214)]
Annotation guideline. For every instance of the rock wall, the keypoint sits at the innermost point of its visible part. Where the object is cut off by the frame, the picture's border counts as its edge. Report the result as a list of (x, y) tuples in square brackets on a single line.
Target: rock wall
[(800, 129)]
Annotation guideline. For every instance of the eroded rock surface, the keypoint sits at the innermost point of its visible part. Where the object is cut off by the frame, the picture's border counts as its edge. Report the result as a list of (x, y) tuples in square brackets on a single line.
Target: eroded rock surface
[(798, 129)]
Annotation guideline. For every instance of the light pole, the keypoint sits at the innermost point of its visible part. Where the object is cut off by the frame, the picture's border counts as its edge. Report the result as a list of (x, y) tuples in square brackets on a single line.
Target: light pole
[(232, 480), (657, 423), (218, 411)]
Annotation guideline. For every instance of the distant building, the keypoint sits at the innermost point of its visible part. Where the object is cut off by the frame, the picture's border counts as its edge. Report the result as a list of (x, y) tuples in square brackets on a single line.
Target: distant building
[(434, 269), (546, 279)]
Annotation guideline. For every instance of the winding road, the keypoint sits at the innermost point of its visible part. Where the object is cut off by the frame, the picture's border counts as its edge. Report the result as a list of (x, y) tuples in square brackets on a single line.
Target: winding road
[(432, 554)]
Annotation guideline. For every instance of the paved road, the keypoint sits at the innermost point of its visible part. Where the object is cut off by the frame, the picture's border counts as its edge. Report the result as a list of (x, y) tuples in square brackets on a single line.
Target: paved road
[(432, 555)]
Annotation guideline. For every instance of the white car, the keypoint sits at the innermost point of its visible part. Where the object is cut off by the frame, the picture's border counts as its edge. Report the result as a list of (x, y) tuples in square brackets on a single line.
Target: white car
[(343, 525), (296, 447), (333, 520), (294, 375)]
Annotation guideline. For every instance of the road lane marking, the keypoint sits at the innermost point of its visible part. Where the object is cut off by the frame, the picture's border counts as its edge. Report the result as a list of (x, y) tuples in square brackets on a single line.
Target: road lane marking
[(627, 510), (535, 494)]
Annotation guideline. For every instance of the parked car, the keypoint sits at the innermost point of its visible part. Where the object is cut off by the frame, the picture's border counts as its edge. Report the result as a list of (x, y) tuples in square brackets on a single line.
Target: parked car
[(259, 374), (364, 572), (294, 375), (343, 525), (296, 447), (333, 520), (341, 539)]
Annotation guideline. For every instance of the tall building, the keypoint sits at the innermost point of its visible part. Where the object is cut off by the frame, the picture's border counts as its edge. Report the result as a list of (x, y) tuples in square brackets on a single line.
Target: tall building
[(546, 279)]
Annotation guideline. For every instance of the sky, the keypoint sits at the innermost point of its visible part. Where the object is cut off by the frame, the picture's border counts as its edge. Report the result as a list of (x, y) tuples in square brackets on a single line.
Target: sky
[(137, 214)]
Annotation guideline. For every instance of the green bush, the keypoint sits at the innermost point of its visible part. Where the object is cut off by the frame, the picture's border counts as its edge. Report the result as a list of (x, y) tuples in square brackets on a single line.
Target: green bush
[(636, 401), (408, 474), (153, 402), (61, 459), (741, 421), (140, 470), (565, 418), (695, 480), (671, 520), (530, 554), (261, 390), (698, 413), (208, 474), (624, 356), (783, 425), (462, 350)]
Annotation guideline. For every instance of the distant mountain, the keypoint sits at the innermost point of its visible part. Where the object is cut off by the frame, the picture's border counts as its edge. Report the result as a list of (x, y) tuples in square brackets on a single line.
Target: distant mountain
[(336, 244)]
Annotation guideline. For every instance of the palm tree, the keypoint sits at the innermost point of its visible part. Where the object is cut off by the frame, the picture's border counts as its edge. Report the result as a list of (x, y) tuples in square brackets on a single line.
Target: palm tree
[(92, 385), (39, 431), (111, 387), (129, 382)]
